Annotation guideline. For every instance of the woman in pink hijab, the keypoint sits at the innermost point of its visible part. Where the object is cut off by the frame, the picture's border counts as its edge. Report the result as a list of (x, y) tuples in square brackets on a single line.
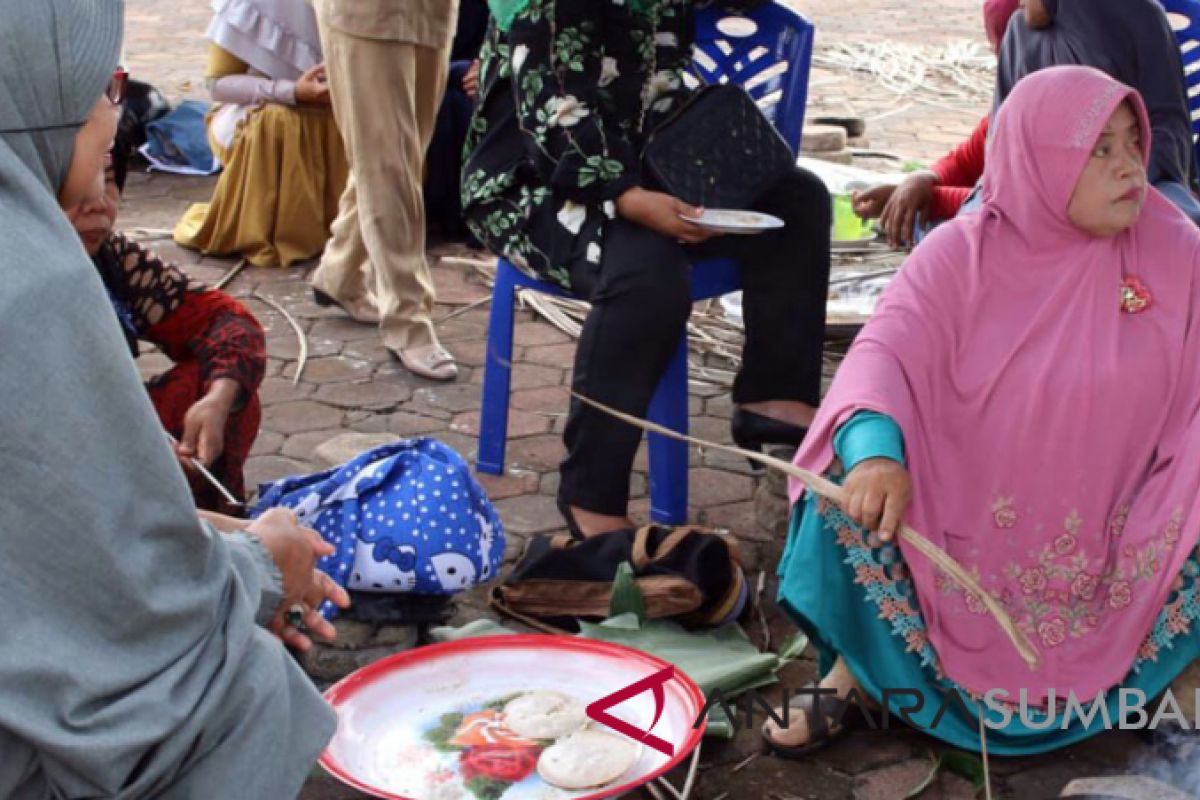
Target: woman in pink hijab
[(1026, 397)]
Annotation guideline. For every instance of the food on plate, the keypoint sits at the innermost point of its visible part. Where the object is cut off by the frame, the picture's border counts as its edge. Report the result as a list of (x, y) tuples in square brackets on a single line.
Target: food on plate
[(586, 759), (544, 715)]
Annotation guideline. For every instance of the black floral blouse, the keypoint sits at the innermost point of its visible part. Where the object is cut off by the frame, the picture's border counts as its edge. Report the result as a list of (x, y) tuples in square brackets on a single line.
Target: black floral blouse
[(566, 96)]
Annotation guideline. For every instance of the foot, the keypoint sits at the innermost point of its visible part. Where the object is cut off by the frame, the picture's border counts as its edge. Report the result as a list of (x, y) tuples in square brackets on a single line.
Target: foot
[(796, 734), (431, 361), (360, 310), (589, 523)]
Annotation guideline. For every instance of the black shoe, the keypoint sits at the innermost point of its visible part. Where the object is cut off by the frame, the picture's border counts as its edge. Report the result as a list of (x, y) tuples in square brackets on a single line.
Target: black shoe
[(751, 431)]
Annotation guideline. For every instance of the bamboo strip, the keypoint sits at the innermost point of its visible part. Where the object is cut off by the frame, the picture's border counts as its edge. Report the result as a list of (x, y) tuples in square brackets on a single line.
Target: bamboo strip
[(831, 491)]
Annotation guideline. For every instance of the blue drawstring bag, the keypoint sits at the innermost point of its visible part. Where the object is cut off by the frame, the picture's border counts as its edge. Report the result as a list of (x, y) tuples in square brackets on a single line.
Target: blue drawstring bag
[(406, 517), (178, 142)]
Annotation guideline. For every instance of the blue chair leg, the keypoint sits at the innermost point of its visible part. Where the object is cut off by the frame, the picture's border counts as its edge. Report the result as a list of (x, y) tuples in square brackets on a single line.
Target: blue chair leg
[(669, 457), (497, 376)]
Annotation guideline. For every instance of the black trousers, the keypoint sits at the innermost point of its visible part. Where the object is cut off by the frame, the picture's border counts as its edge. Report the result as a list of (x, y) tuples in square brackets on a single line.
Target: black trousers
[(641, 301)]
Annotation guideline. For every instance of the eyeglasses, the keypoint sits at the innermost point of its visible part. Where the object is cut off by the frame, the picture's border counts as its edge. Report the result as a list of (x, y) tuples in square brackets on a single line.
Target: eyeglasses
[(117, 84)]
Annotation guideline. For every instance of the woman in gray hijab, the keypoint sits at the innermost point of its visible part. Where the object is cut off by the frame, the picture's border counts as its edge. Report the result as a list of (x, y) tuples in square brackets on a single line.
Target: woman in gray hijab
[(131, 664), (1131, 40)]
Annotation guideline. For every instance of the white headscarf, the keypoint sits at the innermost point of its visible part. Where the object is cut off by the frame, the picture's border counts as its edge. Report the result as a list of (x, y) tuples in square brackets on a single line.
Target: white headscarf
[(276, 37)]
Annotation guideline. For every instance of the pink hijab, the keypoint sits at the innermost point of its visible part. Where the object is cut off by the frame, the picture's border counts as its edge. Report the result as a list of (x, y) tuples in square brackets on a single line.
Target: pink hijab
[(1052, 439), (996, 14)]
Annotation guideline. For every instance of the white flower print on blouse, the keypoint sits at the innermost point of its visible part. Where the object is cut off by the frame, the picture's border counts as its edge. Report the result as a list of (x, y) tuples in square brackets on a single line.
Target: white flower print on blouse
[(608, 71), (566, 111), (519, 54), (571, 216)]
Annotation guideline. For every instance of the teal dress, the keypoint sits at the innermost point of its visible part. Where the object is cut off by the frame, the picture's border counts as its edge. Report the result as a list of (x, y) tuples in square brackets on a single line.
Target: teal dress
[(852, 595)]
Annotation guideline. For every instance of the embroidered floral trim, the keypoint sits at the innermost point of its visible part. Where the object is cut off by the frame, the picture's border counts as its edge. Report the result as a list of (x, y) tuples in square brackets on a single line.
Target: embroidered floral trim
[(1052, 615)]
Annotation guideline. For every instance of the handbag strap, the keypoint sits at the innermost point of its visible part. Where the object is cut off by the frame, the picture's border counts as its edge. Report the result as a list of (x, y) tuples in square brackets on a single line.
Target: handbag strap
[(641, 556)]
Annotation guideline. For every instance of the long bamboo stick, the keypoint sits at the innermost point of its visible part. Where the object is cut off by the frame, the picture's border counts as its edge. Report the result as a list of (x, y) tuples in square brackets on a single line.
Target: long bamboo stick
[(831, 491)]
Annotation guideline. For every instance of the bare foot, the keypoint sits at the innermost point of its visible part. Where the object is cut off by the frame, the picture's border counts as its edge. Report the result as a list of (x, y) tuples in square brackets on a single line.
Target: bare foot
[(790, 411), (590, 523)]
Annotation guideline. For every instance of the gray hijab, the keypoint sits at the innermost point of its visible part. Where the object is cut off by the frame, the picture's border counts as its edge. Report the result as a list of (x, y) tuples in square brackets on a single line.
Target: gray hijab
[(1131, 40), (130, 662)]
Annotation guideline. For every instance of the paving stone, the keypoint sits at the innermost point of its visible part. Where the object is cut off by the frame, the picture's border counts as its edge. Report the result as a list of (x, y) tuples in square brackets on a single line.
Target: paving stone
[(281, 390), (367, 422), (267, 443), (303, 415), (346, 446), (510, 484), (378, 395), (520, 423), (472, 353), (303, 446), (548, 400), (891, 782), (368, 349), (454, 398), (738, 518), (264, 469), (529, 514), (537, 453), (554, 355), (539, 335), (284, 344), (530, 376), (344, 328), (331, 370), (460, 329), (406, 423), (710, 487)]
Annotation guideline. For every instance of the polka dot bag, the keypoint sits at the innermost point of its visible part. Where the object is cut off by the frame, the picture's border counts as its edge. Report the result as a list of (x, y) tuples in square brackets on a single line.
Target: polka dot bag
[(406, 517)]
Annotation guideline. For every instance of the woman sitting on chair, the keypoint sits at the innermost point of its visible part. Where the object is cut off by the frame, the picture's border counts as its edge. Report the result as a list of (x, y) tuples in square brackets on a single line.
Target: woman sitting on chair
[(569, 91), (1026, 396)]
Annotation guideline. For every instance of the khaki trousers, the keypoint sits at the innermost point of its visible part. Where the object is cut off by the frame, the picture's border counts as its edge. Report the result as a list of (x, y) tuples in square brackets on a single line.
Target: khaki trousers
[(385, 98)]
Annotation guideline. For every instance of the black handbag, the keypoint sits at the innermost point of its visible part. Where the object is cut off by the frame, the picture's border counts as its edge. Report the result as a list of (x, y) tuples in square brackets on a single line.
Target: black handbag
[(688, 574), (717, 150)]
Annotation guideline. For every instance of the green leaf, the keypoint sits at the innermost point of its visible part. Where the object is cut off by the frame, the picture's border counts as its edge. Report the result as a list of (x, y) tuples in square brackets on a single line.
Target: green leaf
[(626, 597), (965, 765), (957, 762)]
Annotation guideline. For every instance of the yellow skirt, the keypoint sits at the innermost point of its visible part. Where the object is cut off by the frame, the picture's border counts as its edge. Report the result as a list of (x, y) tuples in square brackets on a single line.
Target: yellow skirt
[(278, 193)]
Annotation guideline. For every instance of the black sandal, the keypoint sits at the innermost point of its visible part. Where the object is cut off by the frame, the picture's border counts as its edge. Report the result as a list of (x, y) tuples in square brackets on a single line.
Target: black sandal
[(845, 716)]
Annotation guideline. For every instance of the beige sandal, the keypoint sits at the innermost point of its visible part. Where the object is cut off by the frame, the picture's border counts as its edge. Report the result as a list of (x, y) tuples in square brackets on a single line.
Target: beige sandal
[(432, 361)]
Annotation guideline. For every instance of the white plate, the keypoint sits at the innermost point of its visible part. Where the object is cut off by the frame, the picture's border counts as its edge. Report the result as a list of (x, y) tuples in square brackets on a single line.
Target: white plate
[(726, 220), (400, 734)]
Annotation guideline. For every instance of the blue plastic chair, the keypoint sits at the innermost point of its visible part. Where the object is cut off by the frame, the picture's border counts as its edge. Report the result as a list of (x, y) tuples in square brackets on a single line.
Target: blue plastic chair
[(768, 52), (1185, 22)]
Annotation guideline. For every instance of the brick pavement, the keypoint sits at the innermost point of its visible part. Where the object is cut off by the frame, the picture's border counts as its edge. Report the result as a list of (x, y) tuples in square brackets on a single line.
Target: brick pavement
[(351, 385)]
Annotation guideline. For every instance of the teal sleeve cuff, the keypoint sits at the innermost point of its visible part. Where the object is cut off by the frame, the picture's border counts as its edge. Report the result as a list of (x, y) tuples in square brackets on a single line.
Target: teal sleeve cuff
[(868, 434)]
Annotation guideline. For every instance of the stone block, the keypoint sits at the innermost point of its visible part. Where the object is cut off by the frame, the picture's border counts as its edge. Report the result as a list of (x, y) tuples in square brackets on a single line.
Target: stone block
[(341, 449), (327, 664), (823, 138)]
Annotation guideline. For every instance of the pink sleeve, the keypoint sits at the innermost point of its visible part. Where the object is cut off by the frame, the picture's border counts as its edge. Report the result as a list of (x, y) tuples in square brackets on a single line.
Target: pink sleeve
[(248, 90)]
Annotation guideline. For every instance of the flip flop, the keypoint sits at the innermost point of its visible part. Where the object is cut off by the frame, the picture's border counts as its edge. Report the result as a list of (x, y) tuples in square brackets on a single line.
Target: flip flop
[(819, 711), (434, 363)]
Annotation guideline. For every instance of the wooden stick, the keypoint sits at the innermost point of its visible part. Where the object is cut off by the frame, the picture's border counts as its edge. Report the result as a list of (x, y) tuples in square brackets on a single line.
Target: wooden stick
[(831, 491), (228, 277), (303, 361)]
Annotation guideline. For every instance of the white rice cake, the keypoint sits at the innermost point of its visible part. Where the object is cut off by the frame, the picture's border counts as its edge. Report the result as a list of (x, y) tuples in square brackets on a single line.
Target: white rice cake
[(586, 759), (544, 715)]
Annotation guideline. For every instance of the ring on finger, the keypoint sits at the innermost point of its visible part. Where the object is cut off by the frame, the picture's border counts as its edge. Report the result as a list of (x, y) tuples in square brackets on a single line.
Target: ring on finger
[(294, 616)]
